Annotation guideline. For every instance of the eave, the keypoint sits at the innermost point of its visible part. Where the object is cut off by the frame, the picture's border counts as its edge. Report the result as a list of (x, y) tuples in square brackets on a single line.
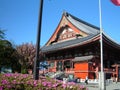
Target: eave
[(110, 42), (70, 44)]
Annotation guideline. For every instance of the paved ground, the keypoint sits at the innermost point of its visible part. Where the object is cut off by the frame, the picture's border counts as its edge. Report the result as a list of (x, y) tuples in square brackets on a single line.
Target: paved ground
[(112, 86)]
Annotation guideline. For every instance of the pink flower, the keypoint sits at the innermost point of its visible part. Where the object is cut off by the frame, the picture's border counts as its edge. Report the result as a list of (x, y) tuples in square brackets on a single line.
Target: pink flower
[(14, 82), (1, 87), (44, 83), (64, 85), (11, 80), (35, 83), (8, 75), (4, 82), (54, 85), (49, 85), (8, 86)]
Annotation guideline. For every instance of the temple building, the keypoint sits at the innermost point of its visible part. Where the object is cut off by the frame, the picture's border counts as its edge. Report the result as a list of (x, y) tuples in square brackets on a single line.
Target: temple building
[(74, 48)]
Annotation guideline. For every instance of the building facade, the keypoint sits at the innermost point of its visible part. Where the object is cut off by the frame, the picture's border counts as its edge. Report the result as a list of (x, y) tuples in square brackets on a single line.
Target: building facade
[(74, 48)]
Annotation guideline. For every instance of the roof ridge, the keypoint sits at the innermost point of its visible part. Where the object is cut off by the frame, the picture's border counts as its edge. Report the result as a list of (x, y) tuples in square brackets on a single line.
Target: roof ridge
[(80, 20)]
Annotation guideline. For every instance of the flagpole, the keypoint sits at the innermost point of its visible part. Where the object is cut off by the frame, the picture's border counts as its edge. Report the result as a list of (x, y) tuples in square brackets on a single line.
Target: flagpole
[(101, 75), (101, 31)]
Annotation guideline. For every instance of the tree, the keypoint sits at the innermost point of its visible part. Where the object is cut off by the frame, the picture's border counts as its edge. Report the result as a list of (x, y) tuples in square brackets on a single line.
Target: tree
[(8, 55), (2, 34), (26, 55)]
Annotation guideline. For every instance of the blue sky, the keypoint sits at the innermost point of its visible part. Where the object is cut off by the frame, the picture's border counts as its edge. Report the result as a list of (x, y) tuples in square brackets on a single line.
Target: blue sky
[(20, 17)]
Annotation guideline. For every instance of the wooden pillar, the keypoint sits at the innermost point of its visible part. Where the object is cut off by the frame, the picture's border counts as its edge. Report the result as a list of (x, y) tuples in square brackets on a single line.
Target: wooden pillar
[(117, 71), (55, 66), (49, 66), (72, 64), (62, 65)]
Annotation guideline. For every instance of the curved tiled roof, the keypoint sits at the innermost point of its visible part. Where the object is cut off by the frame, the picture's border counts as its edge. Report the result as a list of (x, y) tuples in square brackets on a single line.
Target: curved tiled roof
[(91, 30), (83, 58), (67, 44), (82, 25), (111, 42)]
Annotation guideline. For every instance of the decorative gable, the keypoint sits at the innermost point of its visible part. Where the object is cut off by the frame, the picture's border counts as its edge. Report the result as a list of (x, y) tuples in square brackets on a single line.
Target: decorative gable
[(65, 31)]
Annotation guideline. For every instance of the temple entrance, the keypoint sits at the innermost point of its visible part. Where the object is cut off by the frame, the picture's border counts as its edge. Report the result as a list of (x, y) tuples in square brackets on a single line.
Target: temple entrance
[(67, 64)]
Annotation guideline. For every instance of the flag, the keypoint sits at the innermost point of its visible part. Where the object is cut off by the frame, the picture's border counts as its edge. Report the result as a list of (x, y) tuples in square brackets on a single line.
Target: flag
[(116, 2)]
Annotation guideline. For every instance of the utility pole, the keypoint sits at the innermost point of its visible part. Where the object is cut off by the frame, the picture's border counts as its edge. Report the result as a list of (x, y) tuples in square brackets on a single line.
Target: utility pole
[(36, 61)]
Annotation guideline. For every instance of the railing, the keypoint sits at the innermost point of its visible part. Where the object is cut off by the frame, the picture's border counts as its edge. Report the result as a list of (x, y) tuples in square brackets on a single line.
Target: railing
[(109, 70), (71, 70), (96, 81), (90, 80)]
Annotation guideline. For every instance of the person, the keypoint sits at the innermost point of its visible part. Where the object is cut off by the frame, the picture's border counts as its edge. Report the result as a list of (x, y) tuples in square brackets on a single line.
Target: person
[(65, 79), (112, 78), (86, 80), (116, 79)]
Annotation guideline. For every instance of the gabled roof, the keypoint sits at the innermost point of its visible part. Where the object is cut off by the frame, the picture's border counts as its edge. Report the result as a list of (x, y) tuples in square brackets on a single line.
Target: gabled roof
[(82, 25), (92, 31)]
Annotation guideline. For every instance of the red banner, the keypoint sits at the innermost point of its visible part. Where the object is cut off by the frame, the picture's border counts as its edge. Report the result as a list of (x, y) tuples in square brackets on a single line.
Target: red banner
[(116, 2)]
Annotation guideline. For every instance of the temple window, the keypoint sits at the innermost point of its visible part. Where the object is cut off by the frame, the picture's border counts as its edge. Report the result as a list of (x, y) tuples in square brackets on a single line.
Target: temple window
[(52, 64), (66, 55), (88, 52), (76, 54), (67, 64)]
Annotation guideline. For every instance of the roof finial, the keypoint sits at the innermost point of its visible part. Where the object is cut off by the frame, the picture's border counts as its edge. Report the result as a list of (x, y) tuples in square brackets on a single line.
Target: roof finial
[(65, 13)]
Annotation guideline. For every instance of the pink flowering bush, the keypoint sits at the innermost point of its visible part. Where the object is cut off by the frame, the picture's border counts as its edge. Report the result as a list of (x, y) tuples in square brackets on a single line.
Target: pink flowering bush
[(26, 82)]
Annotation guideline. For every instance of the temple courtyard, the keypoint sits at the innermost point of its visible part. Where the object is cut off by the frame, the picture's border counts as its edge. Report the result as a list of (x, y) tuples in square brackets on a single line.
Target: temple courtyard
[(111, 86)]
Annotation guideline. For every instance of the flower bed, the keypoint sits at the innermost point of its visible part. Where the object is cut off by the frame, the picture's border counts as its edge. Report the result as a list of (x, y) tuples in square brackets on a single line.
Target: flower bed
[(26, 82)]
